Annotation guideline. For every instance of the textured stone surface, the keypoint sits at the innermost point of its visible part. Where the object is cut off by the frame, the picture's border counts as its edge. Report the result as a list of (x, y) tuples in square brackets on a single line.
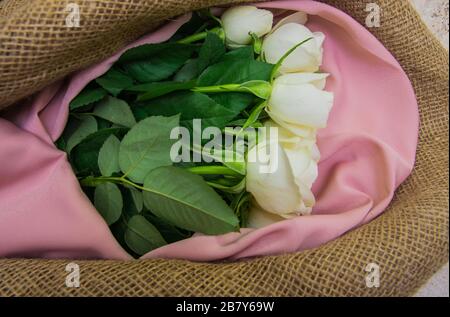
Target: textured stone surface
[(435, 14), (437, 286)]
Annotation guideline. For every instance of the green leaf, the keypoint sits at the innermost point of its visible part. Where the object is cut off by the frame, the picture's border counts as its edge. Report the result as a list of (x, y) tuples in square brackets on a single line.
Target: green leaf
[(146, 147), (210, 53), (169, 232), (118, 229), (257, 43), (261, 89), (196, 24), (154, 90), (141, 236), (190, 105), (155, 62), (114, 81), (233, 187), (103, 124), (108, 201), (185, 200), (237, 123), (227, 156), (108, 157), (137, 199), (235, 72), (254, 115), (233, 101), (72, 125), (86, 97), (191, 70), (133, 202), (116, 111), (242, 53), (84, 157), (241, 207), (61, 144), (85, 127)]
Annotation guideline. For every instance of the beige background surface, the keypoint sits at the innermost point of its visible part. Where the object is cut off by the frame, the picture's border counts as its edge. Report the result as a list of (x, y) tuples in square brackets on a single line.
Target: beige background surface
[(435, 14)]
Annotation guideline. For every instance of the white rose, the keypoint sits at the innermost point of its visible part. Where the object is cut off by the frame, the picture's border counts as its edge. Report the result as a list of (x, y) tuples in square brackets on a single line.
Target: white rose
[(299, 104), (259, 218), (306, 58), (239, 22), (286, 190), (293, 141)]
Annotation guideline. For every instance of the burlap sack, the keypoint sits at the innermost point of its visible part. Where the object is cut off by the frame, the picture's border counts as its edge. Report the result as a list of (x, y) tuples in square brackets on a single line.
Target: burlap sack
[(409, 242)]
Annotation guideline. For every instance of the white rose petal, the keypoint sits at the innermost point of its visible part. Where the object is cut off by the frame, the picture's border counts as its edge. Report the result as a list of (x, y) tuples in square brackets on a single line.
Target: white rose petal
[(297, 99), (307, 203), (304, 167), (319, 80), (286, 191), (291, 140), (276, 191), (299, 130), (315, 153), (298, 17), (298, 106), (239, 22), (306, 58)]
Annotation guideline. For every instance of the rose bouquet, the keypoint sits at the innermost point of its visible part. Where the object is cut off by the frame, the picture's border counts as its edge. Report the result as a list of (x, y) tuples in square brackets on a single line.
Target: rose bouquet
[(209, 132)]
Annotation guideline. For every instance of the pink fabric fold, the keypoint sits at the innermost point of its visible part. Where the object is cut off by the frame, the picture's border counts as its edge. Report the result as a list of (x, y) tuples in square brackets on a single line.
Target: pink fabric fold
[(368, 150)]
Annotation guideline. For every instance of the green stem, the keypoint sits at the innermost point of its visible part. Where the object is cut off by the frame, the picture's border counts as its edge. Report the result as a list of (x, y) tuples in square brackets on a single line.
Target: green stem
[(219, 89), (201, 170), (254, 115), (201, 36), (193, 38), (213, 170), (242, 133), (259, 88), (95, 181), (257, 43), (285, 56)]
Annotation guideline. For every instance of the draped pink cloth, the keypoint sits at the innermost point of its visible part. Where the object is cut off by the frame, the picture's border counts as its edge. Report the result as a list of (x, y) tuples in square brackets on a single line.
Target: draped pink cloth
[(368, 150)]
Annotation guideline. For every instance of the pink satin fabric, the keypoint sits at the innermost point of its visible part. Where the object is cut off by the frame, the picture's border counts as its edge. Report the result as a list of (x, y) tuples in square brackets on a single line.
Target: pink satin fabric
[(368, 150)]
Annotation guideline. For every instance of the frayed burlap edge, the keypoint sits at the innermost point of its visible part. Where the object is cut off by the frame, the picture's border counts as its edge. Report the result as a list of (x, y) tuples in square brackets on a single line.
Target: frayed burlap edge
[(409, 242)]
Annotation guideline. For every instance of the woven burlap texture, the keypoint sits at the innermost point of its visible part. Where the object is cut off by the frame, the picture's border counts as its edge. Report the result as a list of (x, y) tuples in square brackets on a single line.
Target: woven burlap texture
[(409, 242)]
